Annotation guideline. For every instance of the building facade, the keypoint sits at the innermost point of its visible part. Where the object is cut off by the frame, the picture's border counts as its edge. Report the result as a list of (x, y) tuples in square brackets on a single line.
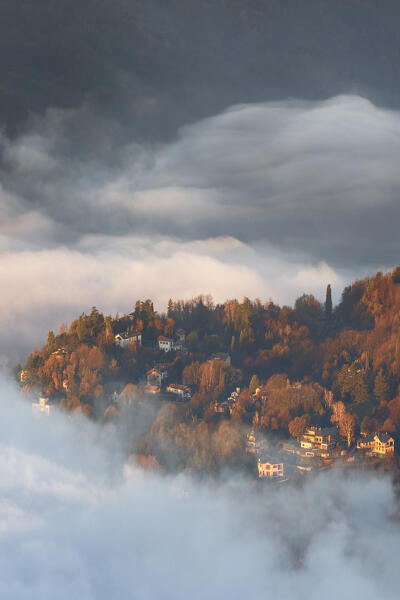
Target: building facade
[(178, 389), (321, 438), (381, 443), (42, 406), (270, 469), (157, 376), (125, 339)]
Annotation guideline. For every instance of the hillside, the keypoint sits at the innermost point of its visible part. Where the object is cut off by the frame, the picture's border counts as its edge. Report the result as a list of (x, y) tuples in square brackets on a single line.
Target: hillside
[(294, 367)]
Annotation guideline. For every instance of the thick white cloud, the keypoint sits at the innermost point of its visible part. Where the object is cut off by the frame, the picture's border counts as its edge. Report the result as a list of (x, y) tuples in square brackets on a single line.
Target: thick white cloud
[(75, 523), (43, 288)]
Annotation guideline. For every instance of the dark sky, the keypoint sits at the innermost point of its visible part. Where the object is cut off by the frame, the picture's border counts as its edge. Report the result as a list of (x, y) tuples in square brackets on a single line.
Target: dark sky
[(156, 64)]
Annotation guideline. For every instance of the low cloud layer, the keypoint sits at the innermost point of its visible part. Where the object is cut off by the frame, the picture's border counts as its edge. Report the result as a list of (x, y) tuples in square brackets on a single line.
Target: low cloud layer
[(47, 287), (75, 522), (269, 200)]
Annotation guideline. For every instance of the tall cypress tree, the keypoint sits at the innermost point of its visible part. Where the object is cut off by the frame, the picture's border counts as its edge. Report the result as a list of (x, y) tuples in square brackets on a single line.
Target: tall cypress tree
[(328, 301), (170, 309)]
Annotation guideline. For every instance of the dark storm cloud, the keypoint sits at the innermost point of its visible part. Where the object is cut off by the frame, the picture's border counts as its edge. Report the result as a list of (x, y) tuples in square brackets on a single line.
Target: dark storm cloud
[(107, 76), (156, 64), (316, 178), (313, 178)]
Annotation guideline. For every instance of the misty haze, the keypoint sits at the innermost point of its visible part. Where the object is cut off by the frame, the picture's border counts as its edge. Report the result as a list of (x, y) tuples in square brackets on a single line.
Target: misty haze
[(200, 299)]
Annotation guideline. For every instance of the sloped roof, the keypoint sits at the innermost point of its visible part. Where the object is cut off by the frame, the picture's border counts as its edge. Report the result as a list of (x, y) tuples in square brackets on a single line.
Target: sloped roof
[(271, 460), (322, 431), (128, 335), (179, 386), (383, 436), (366, 439)]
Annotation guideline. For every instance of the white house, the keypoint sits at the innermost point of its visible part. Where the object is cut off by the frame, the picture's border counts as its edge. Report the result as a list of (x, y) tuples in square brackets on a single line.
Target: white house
[(269, 468), (42, 406), (167, 344), (124, 339), (180, 390)]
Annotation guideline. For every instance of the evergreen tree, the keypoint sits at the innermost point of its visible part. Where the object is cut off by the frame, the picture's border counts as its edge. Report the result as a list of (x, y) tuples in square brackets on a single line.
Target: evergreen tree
[(51, 342), (109, 329), (381, 387), (360, 390), (352, 383), (328, 302)]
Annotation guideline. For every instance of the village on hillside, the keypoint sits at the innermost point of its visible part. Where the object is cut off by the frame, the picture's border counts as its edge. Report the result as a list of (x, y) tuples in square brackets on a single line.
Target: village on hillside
[(157, 381), (275, 390), (275, 457), (317, 448)]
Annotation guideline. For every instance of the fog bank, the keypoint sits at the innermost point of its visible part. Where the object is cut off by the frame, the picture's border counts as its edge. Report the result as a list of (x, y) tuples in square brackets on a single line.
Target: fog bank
[(75, 522)]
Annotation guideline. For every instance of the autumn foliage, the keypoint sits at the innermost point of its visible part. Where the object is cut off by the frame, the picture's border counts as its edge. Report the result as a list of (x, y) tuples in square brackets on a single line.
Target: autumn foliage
[(311, 364)]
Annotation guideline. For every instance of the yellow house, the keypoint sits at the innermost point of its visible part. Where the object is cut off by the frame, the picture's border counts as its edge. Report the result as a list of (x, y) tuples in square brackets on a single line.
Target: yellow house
[(381, 443), (323, 438), (365, 443)]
